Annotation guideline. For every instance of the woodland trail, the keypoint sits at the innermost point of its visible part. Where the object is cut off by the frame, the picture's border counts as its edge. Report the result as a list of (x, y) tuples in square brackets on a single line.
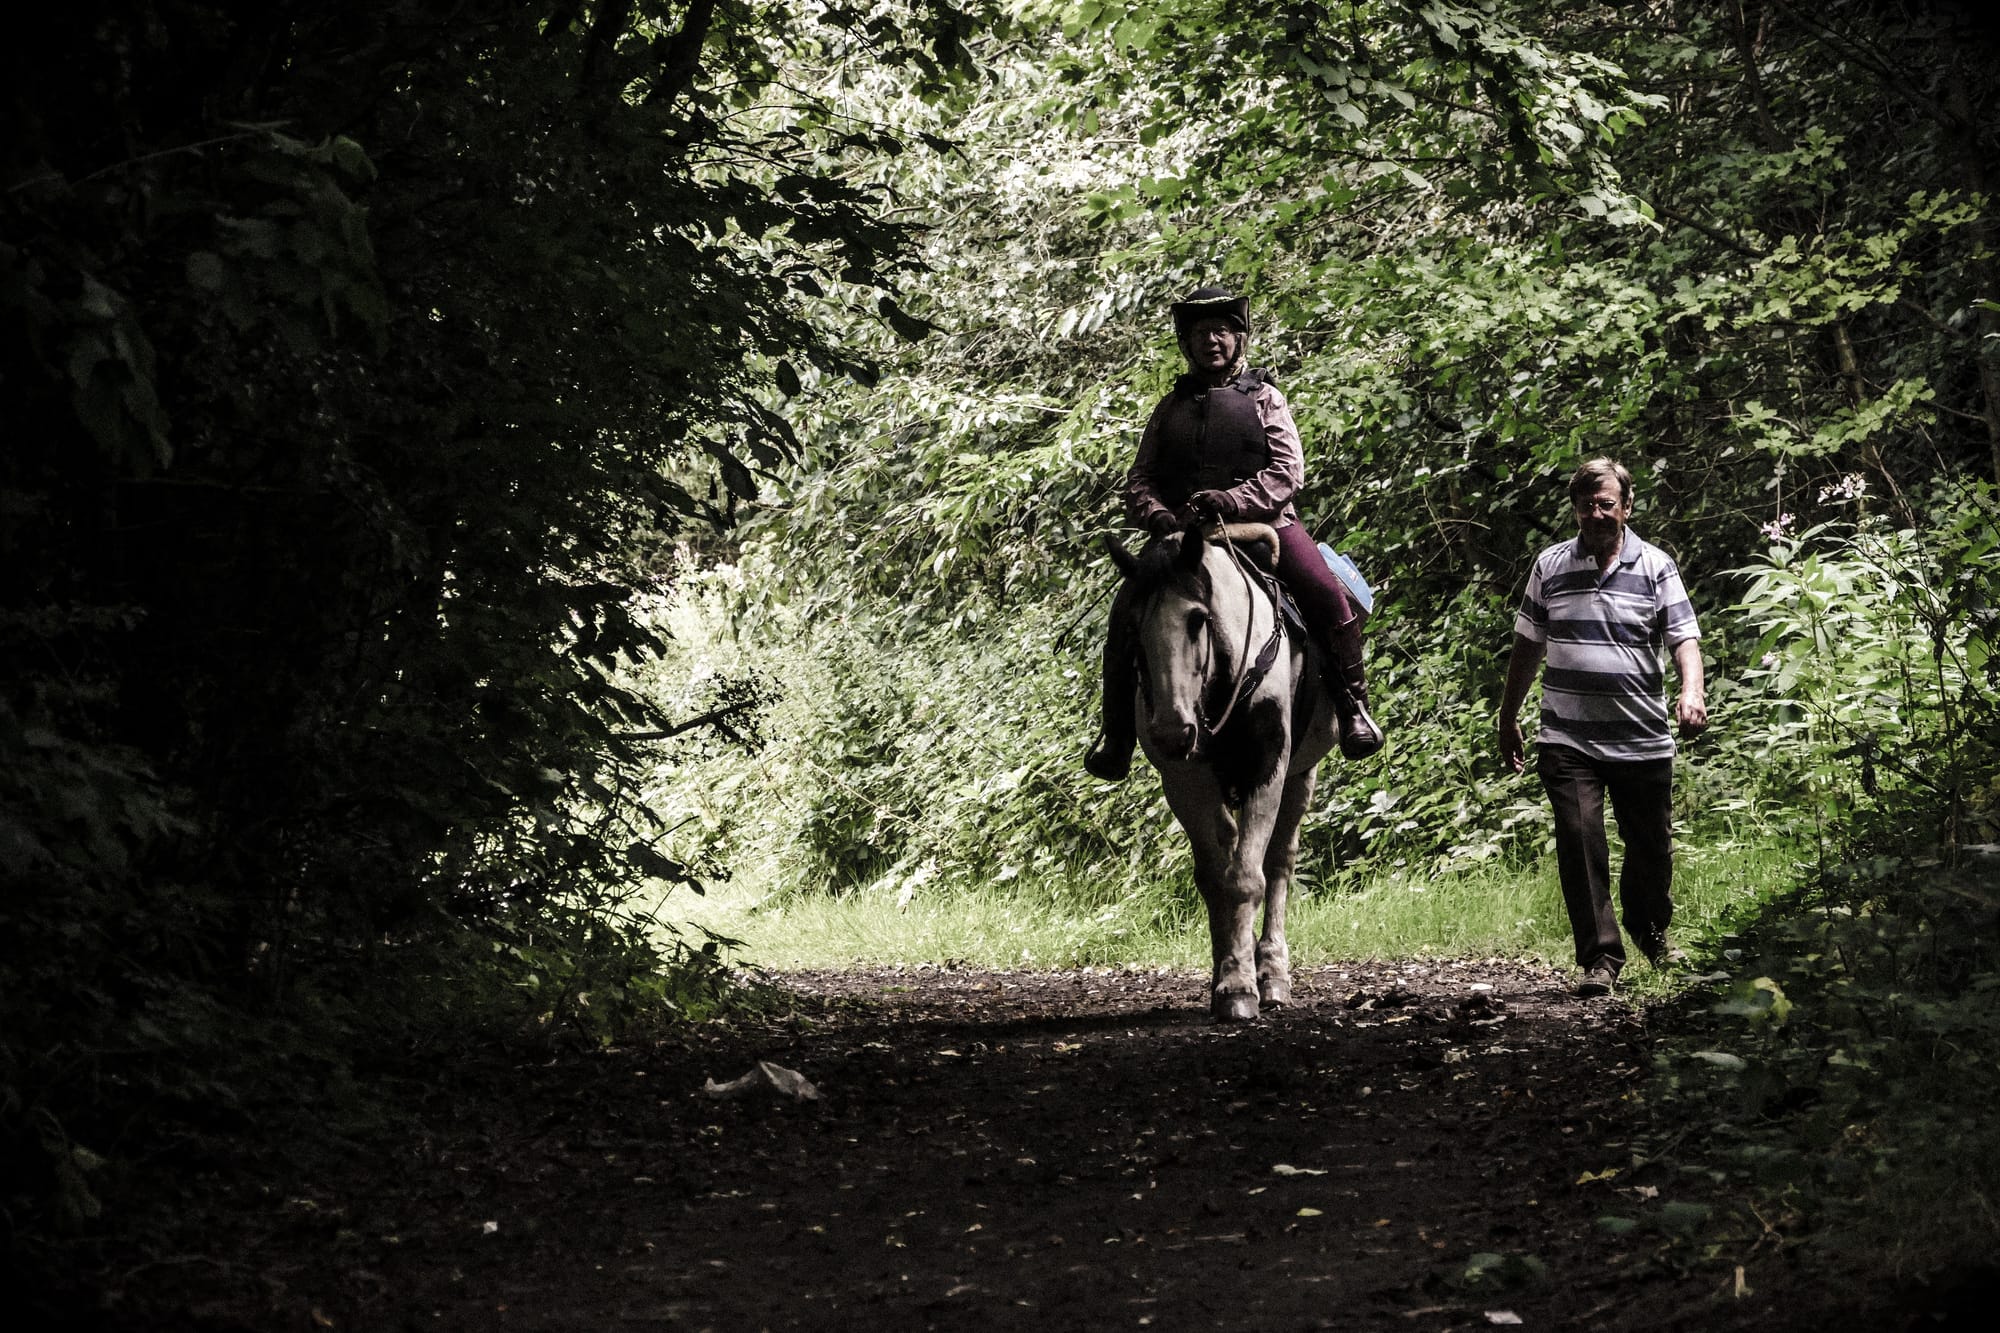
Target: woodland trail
[(994, 1150)]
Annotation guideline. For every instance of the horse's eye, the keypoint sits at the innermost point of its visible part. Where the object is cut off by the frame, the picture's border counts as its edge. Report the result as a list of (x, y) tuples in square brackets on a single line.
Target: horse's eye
[(1197, 621)]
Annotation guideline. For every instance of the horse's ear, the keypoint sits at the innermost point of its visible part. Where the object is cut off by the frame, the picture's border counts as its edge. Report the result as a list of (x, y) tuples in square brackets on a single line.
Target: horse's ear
[(1191, 546), (1128, 564)]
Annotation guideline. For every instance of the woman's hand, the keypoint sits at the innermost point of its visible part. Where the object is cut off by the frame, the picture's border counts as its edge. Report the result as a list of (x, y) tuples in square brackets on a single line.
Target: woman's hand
[(1212, 504)]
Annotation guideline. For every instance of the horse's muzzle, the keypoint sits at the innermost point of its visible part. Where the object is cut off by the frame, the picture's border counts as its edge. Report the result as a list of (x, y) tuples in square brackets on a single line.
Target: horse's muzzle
[(1174, 739)]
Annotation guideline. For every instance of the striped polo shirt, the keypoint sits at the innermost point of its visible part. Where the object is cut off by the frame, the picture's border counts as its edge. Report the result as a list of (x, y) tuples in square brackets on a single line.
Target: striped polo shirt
[(1603, 688)]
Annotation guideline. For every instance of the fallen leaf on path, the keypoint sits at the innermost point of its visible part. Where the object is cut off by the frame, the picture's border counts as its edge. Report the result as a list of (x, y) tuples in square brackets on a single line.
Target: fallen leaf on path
[(1722, 1060), (1510, 1270), (1683, 1217), (775, 1079)]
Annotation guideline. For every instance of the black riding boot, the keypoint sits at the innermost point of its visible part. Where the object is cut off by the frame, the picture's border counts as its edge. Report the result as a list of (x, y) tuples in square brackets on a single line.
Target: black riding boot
[(1347, 681), (1111, 757)]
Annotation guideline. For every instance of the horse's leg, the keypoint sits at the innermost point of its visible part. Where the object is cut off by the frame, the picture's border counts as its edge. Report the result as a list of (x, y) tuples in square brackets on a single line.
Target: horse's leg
[(1232, 910), (1274, 958), (1213, 858), (1214, 836)]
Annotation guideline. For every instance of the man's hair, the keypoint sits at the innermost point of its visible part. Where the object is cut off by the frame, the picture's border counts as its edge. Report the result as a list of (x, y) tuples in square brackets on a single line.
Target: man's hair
[(1594, 474)]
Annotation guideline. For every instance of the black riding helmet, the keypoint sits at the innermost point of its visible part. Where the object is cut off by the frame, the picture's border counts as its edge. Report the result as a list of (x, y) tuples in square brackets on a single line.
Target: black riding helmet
[(1211, 303)]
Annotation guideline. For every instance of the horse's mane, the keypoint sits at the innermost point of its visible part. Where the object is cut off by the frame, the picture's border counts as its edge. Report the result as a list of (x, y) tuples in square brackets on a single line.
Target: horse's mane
[(1160, 563)]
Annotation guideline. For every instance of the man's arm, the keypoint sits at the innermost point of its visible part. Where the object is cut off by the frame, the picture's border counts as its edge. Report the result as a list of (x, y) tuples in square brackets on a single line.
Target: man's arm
[(1691, 709), (1521, 668)]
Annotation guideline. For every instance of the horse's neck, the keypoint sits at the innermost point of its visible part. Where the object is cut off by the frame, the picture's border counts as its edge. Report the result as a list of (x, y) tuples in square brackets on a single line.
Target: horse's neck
[(1240, 602)]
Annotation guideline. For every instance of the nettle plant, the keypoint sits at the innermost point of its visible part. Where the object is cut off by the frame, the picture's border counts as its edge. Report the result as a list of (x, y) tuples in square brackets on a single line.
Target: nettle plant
[(1876, 665)]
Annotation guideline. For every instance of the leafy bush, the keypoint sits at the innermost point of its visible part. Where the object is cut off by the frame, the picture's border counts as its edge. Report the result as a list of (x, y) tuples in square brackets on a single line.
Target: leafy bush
[(1850, 1061), (1877, 674), (352, 354)]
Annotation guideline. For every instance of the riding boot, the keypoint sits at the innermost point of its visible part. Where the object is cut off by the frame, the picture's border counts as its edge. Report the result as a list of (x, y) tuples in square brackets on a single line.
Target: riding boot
[(1347, 682), (1111, 757)]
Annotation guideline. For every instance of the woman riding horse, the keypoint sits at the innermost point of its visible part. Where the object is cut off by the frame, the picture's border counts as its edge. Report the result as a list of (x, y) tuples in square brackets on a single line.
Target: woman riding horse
[(1223, 445)]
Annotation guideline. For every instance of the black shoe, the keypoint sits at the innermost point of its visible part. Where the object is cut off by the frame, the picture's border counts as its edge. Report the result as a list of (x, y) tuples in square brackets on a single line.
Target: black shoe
[(1665, 956), (1108, 761), (1597, 980), (1359, 736)]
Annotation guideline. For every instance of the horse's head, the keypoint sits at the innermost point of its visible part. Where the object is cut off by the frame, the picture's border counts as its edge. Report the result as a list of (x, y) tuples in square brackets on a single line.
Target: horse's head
[(1196, 613)]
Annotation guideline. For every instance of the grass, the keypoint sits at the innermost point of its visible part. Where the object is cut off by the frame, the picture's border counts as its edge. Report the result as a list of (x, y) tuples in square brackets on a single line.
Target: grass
[(1493, 910)]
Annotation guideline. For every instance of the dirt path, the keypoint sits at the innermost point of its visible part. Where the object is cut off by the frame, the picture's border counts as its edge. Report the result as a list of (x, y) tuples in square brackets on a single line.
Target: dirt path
[(1003, 1151)]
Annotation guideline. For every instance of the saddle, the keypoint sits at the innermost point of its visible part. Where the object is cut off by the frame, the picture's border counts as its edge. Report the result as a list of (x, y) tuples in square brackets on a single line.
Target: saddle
[(1343, 569), (1263, 540)]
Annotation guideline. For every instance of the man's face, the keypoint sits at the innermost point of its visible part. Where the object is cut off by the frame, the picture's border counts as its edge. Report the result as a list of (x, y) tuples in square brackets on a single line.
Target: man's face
[(1600, 517), (1213, 346)]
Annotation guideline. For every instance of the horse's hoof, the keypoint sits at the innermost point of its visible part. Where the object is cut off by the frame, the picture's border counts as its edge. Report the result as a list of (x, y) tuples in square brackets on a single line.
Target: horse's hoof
[(1274, 994), (1235, 1007)]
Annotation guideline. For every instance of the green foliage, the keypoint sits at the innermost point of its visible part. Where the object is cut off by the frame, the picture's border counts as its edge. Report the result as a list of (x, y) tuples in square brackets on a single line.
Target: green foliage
[(353, 356), (1481, 247), (912, 759), (1876, 674), (1851, 1054)]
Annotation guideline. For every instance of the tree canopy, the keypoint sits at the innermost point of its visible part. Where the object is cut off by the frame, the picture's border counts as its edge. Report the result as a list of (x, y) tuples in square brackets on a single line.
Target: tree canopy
[(372, 371)]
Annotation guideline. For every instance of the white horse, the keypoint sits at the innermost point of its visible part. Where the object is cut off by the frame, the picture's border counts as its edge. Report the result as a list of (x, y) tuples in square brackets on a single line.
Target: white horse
[(1232, 714)]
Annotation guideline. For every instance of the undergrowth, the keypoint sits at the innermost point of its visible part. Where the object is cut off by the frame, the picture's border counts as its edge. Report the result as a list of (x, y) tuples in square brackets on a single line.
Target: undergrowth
[(1845, 1066), (1844, 1075)]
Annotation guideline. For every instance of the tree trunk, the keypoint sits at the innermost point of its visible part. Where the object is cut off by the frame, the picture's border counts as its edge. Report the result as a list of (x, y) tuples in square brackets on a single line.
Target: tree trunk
[(1985, 236)]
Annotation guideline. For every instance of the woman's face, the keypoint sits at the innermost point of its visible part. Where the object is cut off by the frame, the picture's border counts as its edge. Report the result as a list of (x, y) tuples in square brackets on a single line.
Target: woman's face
[(1213, 346)]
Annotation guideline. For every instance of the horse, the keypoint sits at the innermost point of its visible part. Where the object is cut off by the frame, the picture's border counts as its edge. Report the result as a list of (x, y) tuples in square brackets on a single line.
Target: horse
[(1234, 718)]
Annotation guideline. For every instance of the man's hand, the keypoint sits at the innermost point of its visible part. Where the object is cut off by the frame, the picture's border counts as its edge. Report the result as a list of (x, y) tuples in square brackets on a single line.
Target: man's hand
[(1691, 708), (1522, 664), (1513, 747), (1691, 711)]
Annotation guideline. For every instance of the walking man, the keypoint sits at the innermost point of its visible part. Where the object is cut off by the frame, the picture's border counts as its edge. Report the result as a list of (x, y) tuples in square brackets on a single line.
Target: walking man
[(1602, 608)]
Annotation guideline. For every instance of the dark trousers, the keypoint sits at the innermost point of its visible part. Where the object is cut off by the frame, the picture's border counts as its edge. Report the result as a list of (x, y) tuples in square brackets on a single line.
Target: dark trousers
[(1642, 795)]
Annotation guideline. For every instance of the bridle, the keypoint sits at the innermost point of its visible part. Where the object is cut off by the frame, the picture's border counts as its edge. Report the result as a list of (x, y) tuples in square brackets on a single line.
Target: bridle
[(1247, 680)]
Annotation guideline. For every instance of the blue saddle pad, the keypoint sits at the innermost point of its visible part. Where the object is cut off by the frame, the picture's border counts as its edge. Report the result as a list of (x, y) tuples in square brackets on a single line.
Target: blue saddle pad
[(1350, 578)]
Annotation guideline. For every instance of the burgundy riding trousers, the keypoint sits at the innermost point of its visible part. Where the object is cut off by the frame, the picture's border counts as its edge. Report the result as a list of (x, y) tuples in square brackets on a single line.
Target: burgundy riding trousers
[(1322, 598)]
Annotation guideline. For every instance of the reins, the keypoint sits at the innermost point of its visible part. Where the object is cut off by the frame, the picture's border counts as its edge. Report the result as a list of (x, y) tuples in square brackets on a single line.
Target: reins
[(1255, 673)]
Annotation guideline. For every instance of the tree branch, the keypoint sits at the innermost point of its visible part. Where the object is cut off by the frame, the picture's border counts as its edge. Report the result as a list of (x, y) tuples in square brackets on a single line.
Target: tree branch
[(714, 717), (681, 60), (1716, 234)]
